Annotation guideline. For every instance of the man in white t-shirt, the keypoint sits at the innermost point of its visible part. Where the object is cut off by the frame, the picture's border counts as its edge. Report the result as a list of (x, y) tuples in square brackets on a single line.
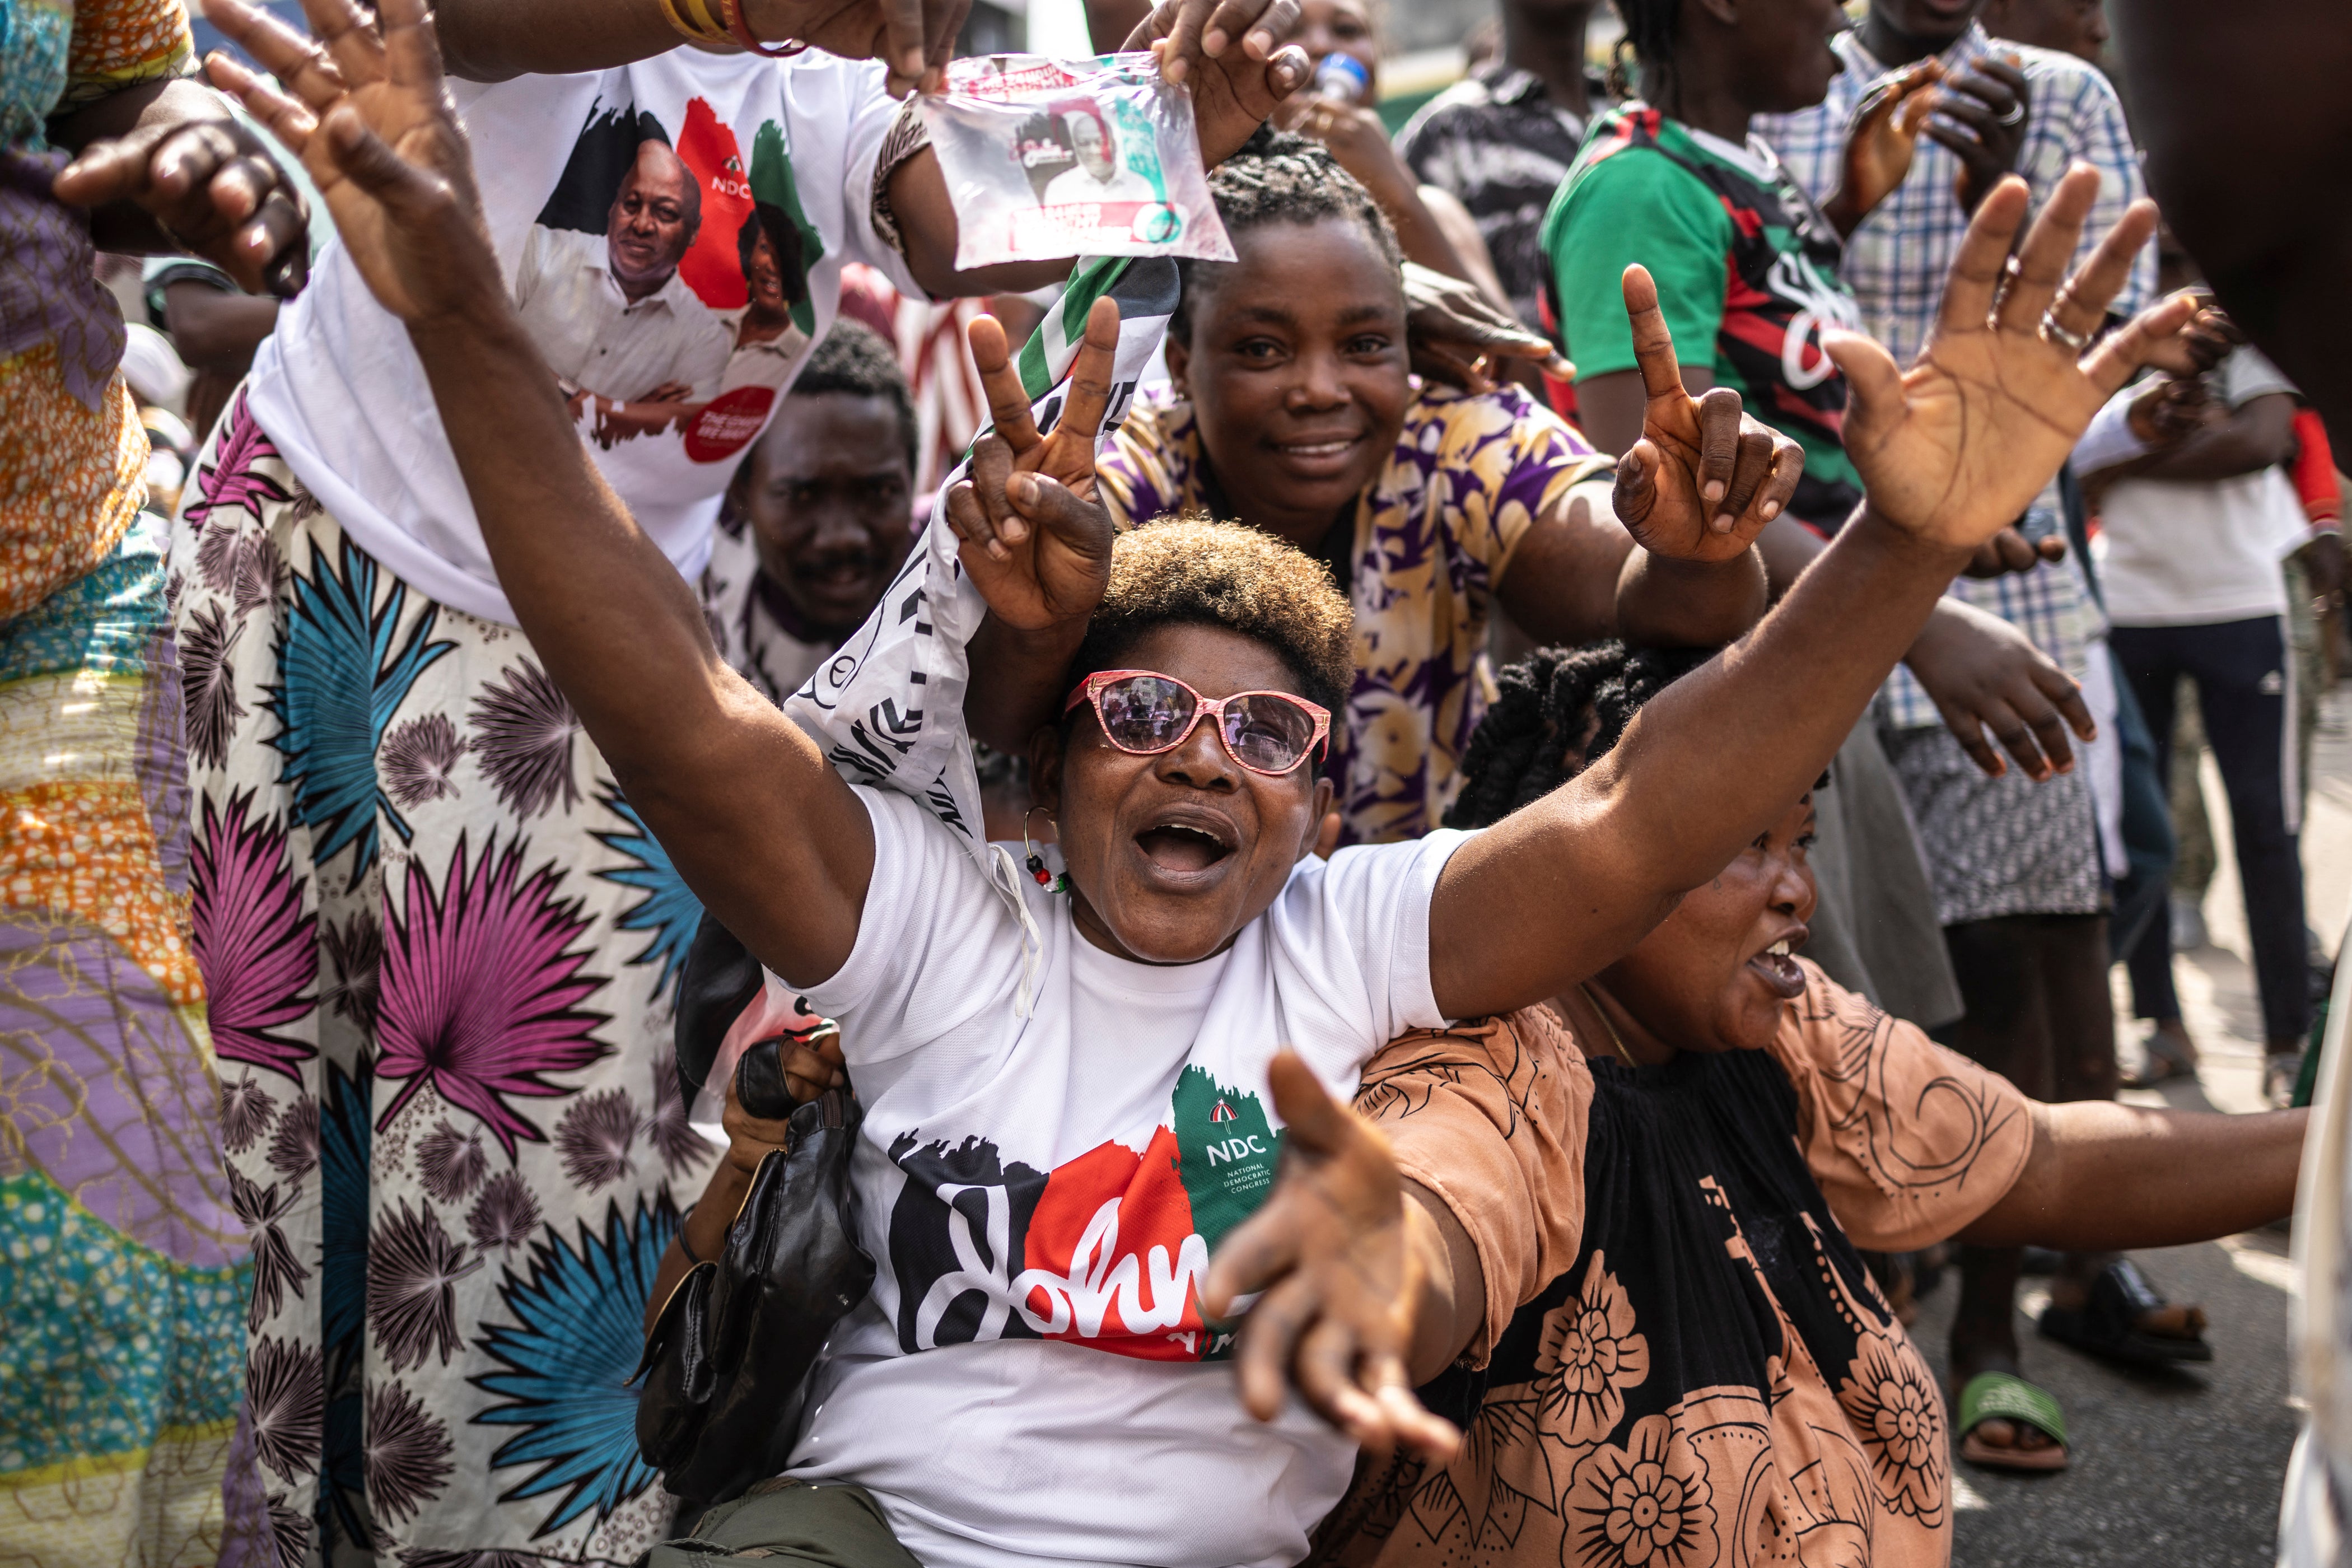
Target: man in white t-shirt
[(2190, 552)]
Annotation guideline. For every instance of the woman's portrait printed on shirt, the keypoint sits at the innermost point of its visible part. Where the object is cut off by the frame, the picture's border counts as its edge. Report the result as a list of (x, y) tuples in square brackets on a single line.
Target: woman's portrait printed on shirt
[(667, 280)]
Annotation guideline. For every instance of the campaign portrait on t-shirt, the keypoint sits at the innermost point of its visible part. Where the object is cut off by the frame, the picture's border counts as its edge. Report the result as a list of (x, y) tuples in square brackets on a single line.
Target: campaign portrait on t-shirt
[(764, 343), (668, 282)]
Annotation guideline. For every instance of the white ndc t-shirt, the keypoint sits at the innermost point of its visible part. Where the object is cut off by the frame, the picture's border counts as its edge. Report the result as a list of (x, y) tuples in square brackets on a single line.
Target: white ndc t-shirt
[(339, 389), (1031, 1377)]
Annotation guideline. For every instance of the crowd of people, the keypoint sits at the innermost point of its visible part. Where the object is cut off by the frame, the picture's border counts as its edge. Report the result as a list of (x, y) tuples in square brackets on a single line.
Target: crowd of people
[(1561, 780)]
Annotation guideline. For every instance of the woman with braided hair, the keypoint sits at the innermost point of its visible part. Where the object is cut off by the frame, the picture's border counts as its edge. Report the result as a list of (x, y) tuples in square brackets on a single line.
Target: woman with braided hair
[(1291, 408), (1660, 1340)]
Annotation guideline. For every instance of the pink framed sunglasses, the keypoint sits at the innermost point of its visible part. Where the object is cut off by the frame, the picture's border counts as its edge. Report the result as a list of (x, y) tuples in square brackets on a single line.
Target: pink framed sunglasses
[(1145, 713)]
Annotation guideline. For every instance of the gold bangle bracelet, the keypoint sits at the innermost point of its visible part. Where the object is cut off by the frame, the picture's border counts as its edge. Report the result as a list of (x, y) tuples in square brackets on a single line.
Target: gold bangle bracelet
[(692, 20)]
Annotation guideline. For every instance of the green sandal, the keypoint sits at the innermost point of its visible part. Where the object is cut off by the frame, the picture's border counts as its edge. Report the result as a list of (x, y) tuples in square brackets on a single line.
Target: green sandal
[(2005, 1396)]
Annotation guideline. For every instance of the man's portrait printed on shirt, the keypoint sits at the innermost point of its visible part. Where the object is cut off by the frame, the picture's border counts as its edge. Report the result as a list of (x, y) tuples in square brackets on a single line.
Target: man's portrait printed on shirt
[(667, 280)]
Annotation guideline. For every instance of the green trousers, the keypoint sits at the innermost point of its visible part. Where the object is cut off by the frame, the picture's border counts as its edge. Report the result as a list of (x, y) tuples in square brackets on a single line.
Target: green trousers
[(783, 1520)]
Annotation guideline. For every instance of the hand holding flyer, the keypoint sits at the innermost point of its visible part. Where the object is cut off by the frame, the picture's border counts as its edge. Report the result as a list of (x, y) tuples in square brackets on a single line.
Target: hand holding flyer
[(1048, 158)]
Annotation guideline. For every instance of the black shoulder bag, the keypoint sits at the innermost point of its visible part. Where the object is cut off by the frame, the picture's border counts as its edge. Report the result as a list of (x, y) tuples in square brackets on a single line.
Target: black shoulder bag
[(724, 1365)]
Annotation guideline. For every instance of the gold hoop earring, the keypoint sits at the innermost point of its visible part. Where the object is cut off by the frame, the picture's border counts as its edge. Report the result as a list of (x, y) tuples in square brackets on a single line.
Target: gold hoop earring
[(1051, 882)]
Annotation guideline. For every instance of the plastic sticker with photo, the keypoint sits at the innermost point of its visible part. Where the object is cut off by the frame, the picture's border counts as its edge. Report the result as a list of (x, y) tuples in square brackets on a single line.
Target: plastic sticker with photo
[(1048, 158)]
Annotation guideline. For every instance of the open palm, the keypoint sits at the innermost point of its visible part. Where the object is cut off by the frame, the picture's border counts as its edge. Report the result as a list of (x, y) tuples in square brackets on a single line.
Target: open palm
[(1955, 448), (369, 115), (1036, 542), (1705, 476)]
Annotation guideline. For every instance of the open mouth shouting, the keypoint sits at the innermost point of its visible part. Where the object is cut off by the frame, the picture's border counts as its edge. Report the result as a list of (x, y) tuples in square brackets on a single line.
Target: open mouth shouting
[(1182, 845), (1778, 968)]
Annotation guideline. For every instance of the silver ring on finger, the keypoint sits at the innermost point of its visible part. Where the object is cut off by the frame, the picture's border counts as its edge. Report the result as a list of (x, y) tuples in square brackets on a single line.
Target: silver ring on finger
[(2016, 112), (2054, 331)]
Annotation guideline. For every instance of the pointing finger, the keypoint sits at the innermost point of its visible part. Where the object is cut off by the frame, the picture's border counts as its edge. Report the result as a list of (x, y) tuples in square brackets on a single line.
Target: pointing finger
[(1653, 342)]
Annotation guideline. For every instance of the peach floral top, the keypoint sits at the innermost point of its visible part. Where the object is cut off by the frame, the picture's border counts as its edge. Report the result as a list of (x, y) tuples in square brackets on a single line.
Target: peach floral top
[(1684, 1362)]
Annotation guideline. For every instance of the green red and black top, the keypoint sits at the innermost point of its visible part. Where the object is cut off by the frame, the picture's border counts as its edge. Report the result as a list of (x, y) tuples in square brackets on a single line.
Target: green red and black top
[(1747, 270)]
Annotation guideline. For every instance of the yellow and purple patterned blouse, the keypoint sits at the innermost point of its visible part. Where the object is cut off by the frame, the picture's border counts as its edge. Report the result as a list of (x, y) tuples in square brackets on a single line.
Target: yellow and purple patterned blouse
[(73, 456), (1434, 532)]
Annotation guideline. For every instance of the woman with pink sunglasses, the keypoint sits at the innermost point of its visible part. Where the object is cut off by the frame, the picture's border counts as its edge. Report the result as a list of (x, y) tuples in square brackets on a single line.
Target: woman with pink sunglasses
[(1065, 1082)]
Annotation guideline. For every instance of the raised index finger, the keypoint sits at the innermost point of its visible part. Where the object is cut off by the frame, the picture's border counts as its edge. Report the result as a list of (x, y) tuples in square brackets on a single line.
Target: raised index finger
[(1653, 342)]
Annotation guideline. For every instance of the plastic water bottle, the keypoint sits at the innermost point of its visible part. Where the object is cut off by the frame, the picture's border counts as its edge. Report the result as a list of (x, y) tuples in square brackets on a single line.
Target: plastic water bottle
[(1342, 77)]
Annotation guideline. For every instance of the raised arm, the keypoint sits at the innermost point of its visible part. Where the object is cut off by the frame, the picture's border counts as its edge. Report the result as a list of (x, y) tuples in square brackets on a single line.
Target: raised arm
[(760, 827), (2105, 1177), (1950, 452)]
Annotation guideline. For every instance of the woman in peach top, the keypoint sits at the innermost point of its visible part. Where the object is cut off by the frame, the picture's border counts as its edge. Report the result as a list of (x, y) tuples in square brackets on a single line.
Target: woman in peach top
[(1637, 1210)]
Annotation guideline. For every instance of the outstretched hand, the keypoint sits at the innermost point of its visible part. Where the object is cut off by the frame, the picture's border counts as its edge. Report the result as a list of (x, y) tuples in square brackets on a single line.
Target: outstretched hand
[(1705, 476), (1341, 1280), (369, 115), (1953, 449), (1036, 542)]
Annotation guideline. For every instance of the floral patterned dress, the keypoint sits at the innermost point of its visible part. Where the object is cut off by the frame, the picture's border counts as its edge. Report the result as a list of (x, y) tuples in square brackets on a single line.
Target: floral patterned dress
[(1684, 1362), (123, 1270), (443, 953)]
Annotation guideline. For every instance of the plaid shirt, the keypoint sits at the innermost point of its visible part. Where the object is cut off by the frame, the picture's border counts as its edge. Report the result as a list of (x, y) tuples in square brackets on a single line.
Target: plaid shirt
[(1896, 262), (1896, 259)]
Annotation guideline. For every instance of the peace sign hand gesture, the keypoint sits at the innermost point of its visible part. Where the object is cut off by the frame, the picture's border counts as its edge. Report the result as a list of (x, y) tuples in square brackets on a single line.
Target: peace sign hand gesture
[(1036, 542), (369, 115), (1705, 477), (1952, 450)]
